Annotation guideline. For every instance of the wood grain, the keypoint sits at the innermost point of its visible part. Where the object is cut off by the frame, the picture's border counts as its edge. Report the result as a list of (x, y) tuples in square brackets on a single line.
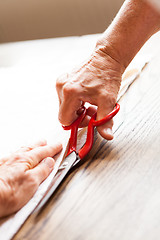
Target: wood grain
[(115, 193)]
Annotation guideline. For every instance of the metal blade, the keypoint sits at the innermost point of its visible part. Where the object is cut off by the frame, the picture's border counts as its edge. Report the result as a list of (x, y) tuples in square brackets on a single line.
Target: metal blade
[(58, 178)]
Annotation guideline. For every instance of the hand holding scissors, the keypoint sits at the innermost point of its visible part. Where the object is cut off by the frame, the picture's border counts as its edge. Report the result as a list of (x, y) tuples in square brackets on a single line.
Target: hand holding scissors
[(72, 156)]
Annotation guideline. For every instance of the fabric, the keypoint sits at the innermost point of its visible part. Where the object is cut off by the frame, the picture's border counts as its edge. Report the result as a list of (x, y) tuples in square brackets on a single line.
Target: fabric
[(35, 87)]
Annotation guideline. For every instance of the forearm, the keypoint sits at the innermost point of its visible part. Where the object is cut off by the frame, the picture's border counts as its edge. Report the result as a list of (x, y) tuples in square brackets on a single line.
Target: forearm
[(98, 80), (135, 23)]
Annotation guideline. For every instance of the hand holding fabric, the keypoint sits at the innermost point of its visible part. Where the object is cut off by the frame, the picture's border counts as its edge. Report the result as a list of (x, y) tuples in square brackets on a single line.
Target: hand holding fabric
[(22, 172)]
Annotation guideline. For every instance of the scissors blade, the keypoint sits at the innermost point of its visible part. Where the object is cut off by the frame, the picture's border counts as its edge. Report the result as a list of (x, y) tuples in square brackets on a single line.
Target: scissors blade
[(58, 178)]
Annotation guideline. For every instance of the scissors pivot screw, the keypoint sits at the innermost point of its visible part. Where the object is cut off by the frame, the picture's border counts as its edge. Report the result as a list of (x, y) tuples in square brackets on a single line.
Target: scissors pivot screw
[(64, 165)]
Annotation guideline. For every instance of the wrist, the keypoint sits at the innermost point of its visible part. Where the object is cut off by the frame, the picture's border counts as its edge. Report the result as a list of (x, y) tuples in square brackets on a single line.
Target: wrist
[(135, 23), (105, 49)]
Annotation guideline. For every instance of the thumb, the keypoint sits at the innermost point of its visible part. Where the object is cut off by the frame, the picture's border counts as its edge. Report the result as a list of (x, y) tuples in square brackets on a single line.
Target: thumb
[(105, 130)]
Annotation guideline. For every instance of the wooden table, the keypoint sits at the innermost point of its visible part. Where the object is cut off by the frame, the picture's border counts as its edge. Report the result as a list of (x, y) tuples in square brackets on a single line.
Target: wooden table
[(115, 193)]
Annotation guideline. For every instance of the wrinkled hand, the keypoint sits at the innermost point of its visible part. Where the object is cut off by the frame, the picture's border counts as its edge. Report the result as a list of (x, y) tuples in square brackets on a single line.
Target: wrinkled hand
[(96, 82), (22, 172)]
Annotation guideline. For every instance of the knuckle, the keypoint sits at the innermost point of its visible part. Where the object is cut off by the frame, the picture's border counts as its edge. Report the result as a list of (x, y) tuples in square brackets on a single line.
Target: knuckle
[(58, 83), (61, 81), (29, 161), (18, 156), (69, 89)]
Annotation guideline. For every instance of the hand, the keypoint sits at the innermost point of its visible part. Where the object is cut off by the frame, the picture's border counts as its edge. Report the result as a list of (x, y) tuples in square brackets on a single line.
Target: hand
[(22, 172), (96, 82)]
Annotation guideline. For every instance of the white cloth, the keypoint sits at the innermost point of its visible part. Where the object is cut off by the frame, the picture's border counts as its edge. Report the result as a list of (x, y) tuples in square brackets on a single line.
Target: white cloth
[(32, 107)]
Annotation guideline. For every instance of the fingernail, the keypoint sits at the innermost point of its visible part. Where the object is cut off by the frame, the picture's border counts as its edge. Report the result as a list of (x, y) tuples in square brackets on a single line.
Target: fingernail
[(109, 132), (50, 162)]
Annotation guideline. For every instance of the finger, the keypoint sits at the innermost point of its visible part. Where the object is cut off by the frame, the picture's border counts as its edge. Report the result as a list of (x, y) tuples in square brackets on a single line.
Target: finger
[(81, 109), (3, 160), (106, 129), (38, 154), (60, 82), (28, 148), (70, 104), (43, 169), (90, 112), (68, 111)]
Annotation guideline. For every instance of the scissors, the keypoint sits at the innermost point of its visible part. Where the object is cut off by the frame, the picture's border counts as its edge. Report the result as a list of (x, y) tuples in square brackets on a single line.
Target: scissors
[(73, 157)]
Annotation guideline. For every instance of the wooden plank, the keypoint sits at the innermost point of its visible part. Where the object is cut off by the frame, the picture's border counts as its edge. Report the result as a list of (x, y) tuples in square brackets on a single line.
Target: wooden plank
[(115, 193)]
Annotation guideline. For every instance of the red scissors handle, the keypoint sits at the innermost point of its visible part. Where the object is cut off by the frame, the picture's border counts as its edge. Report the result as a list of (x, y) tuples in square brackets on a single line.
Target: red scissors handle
[(90, 133)]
